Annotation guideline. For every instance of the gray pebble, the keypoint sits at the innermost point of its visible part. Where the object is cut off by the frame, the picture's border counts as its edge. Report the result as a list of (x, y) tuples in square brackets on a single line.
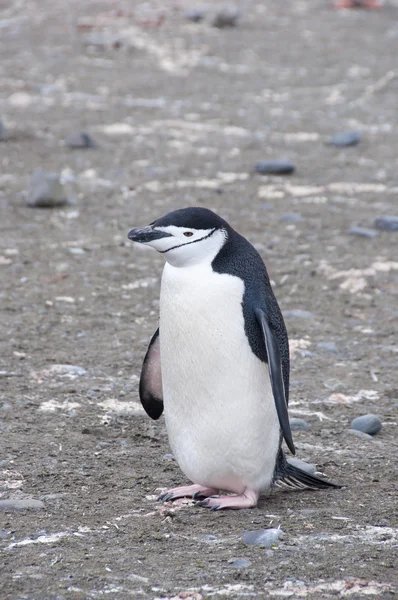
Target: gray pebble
[(275, 167), (301, 464), (21, 504), (226, 16), (239, 562), (333, 384), (80, 139), (262, 537), (3, 132), (298, 425), (195, 15), (367, 424), (297, 313), (360, 434), (45, 190), (386, 223), (363, 232), (168, 457), (291, 218), (345, 138), (329, 347), (5, 407), (208, 538)]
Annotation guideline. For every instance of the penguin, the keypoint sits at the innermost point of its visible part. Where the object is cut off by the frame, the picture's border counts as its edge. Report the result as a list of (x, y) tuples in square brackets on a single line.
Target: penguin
[(218, 365)]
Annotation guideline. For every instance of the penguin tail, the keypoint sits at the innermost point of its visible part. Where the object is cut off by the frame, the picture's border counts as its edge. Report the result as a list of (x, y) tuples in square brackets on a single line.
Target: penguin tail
[(294, 477)]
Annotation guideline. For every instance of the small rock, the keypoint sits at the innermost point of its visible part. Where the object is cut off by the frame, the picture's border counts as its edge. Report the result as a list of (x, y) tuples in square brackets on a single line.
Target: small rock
[(195, 15), (208, 538), (21, 504), (239, 562), (291, 218), (3, 132), (301, 464), (226, 16), (367, 424), (262, 537), (386, 223), (333, 384), (275, 167), (360, 434), (45, 190), (80, 139), (329, 347), (297, 313), (363, 232), (298, 425), (5, 407), (345, 138)]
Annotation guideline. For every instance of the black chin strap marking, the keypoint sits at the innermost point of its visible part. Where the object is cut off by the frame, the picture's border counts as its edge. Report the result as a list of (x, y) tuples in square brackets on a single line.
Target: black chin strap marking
[(187, 244)]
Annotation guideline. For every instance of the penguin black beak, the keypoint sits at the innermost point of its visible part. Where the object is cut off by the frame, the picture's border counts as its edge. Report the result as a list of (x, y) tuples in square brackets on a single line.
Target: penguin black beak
[(144, 235)]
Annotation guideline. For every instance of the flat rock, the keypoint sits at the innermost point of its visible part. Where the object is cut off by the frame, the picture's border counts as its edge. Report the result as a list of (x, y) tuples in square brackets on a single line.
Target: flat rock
[(298, 424), (195, 15), (329, 347), (274, 167), (226, 16), (360, 434), (297, 313), (262, 537), (301, 464), (363, 232), (367, 424), (21, 504), (80, 139), (45, 190), (3, 132), (239, 563), (387, 223), (345, 138), (291, 218)]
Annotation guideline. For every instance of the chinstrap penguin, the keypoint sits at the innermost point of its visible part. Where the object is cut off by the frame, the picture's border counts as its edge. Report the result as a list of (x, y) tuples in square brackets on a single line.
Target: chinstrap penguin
[(219, 363)]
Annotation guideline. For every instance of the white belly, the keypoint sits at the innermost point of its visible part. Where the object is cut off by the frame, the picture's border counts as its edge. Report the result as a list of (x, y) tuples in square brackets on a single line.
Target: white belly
[(220, 413)]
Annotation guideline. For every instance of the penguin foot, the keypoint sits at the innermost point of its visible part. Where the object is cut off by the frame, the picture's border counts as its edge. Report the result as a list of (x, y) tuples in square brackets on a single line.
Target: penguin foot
[(188, 491), (248, 499)]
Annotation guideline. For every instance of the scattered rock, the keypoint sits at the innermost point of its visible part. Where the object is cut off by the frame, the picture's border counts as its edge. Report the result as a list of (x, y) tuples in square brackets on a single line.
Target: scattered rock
[(363, 232), (3, 132), (297, 313), (80, 139), (333, 384), (239, 563), (45, 190), (208, 538), (360, 434), (367, 424), (195, 15), (262, 537), (329, 347), (21, 504), (291, 218), (301, 464), (226, 16), (386, 223), (5, 407), (275, 167), (298, 425), (345, 138)]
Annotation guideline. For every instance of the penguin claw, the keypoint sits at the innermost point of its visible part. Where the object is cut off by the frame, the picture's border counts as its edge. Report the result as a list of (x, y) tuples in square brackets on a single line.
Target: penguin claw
[(204, 502), (165, 497), (215, 507)]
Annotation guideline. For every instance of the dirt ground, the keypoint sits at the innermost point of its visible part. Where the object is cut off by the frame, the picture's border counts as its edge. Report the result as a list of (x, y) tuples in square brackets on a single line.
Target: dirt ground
[(181, 112)]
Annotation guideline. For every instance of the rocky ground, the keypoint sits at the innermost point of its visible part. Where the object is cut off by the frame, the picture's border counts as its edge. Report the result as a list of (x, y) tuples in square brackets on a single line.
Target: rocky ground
[(180, 113)]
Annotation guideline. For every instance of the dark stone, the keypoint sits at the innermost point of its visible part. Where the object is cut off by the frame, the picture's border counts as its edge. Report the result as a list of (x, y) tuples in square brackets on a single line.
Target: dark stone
[(363, 232), (226, 16), (80, 139), (262, 537), (386, 223), (345, 138), (367, 424), (195, 15), (274, 167), (360, 434), (298, 425)]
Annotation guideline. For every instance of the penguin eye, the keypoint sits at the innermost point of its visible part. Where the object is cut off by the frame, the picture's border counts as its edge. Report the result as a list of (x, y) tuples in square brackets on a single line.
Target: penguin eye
[(188, 233)]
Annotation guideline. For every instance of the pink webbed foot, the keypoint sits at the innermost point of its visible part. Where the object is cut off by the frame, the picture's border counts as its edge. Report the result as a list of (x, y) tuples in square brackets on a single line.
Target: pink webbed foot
[(187, 491), (248, 499)]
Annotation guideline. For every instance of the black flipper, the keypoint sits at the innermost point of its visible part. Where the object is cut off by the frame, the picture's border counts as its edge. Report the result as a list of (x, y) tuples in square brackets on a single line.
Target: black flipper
[(294, 477), (276, 376), (151, 392)]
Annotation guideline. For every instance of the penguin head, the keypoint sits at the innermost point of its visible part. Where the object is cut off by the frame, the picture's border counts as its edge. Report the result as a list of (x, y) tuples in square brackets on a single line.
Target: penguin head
[(185, 237)]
